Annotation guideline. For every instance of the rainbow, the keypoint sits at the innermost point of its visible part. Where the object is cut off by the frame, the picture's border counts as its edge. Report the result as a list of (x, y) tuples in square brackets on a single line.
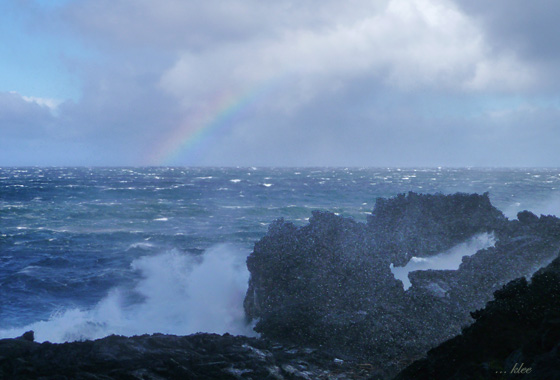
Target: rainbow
[(212, 120)]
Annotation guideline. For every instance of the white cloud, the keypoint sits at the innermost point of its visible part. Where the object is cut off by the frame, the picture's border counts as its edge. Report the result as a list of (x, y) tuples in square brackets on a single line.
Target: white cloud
[(378, 82), (50, 103), (407, 44)]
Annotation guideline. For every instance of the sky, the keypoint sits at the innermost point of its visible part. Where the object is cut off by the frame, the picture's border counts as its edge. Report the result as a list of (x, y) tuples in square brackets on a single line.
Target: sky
[(384, 83)]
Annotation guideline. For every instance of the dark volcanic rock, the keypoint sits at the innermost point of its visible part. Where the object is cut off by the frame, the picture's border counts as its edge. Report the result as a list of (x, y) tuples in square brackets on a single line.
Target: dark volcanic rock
[(328, 284), (424, 224), (520, 328), (151, 357), (317, 284)]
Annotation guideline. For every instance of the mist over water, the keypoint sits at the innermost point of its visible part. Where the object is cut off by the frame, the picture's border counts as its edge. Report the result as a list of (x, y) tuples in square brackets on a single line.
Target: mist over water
[(176, 294), (548, 206)]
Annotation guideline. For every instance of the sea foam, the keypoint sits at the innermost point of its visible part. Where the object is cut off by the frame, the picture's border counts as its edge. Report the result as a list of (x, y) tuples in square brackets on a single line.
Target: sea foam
[(450, 259), (176, 294)]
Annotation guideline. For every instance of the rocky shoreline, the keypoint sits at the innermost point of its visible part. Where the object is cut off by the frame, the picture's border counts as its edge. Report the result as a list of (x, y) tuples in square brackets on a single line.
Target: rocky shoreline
[(198, 356), (328, 307)]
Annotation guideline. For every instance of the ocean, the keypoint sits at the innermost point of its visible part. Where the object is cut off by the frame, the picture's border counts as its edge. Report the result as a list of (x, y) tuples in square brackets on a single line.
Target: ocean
[(89, 252)]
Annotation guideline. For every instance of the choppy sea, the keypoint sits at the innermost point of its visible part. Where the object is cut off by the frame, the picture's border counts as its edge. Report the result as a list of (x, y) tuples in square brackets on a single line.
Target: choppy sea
[(88, 252)]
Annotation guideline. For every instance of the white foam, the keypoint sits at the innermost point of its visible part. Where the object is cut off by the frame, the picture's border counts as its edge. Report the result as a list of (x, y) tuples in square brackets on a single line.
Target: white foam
[(448, 260), (141, 245), (29, 269), (179, 294)]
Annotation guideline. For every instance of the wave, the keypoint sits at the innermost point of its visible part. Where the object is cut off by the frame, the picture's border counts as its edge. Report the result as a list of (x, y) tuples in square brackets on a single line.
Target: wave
[(140, 245), (176, 294)]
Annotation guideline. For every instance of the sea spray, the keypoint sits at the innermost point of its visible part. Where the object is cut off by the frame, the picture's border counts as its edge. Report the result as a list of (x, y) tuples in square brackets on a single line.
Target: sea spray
[(548, 206), (176, 294), (448, 260)]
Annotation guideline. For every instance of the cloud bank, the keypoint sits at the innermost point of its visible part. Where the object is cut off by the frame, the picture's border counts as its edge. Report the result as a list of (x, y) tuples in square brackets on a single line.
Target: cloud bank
[(387, 83)]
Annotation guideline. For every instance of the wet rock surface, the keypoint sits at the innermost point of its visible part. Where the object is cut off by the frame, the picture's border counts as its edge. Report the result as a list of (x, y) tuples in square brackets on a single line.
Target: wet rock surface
[(517, 335), (199, 356), (423, 225), (329, 285)]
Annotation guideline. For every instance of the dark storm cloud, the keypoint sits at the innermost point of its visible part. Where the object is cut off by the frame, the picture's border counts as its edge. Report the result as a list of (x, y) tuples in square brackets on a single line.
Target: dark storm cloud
[(23, 118), (121, 112), (530, 28), (383, 127)]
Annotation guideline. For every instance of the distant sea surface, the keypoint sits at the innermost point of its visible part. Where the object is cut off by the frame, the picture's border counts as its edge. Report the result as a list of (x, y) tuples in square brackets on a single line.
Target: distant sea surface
[(88, 252)]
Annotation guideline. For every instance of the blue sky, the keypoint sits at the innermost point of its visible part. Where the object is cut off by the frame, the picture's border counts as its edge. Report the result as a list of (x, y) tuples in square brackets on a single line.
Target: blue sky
[(357, 83), (35, 62)]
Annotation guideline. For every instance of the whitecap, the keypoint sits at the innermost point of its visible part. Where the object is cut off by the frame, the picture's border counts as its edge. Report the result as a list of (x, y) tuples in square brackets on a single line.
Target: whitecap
[(141, 245), (29, 269)]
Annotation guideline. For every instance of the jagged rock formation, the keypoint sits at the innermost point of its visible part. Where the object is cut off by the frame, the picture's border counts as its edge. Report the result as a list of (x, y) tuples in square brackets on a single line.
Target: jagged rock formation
[(159, 357), (424, 224), (517, 335), (328, 284)]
